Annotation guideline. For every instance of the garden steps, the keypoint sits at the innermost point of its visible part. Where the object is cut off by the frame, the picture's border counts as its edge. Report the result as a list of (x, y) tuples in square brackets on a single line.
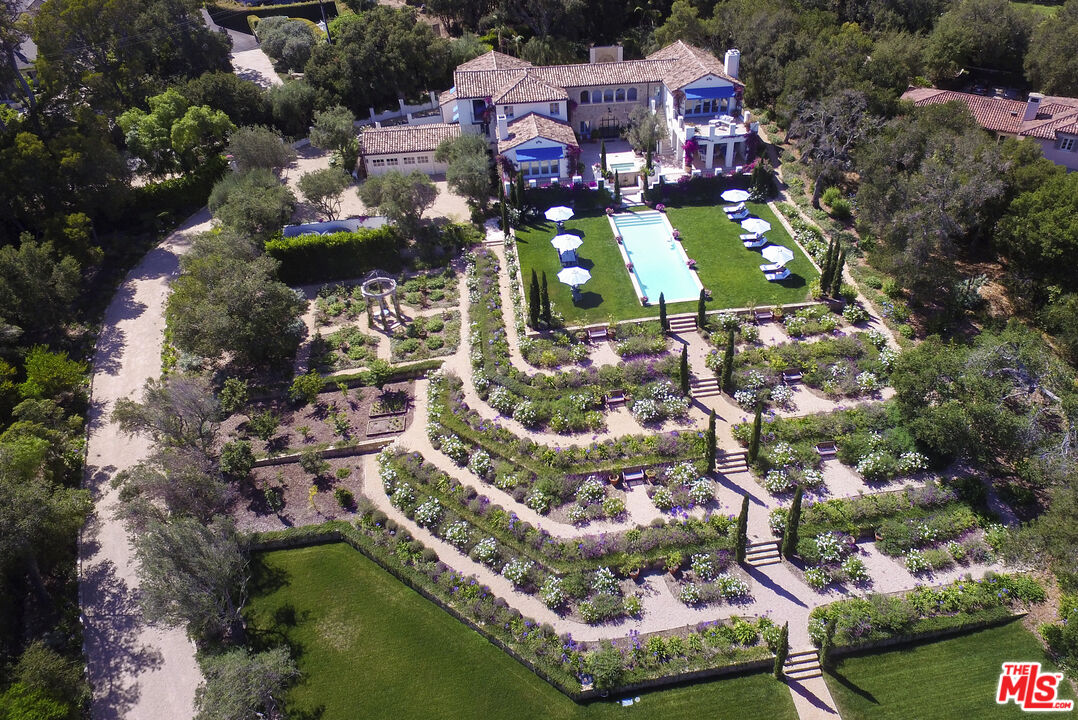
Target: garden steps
[(730, 462), (704, 387), (802, 665), (762, 553), (684, 323)]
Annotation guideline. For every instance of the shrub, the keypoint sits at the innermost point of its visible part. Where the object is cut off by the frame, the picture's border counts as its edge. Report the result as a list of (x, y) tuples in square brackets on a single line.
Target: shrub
[(237, 459), (854, 569), (605, 582), (817, 578), (590, 491), (701, 491), (854, 313), (663, 499), (429, 513), (344, 498), (551, 593), (689, 594), (613, 506), (517, 570), (457, 533), (486, 550), (314, 258)]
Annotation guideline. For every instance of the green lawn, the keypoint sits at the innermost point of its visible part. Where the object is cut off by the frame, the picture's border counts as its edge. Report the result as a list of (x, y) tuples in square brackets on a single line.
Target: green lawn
[(952, 678), (370, 647), (726, 268), (1041, 10)]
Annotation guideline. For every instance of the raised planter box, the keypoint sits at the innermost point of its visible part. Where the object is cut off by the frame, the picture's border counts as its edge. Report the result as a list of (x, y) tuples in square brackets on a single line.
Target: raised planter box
[(386, 424)]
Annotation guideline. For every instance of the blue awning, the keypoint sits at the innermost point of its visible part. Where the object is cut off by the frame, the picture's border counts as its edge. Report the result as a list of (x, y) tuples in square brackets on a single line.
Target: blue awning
[(708, 93), (534, 154)]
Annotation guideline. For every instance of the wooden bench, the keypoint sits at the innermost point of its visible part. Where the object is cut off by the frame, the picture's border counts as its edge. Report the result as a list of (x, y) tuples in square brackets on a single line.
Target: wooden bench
[(630, 476), (616, 397), (826, 450), (598, 334), (764, 316), (791, 376)]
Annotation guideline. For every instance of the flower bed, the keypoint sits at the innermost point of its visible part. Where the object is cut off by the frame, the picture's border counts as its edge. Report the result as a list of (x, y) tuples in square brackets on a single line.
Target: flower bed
[(343, 349), (639, 339), (562, 348), (336, 301), (569, 401), (426, 337), (432, 289), (860, 621)]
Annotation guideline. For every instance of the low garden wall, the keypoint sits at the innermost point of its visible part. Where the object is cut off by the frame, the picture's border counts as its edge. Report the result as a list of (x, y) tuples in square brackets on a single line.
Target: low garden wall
[(362, 448), (985, 619)]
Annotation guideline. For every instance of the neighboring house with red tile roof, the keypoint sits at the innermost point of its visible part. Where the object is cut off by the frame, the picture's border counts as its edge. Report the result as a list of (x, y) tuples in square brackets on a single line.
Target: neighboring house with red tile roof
[(1052, 122), (404, 147), (505, 98)]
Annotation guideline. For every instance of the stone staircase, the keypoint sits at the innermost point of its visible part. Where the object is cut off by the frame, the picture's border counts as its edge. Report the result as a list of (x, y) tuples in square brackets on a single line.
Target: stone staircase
[(802, 665), (704, 387), (494, 240), (683, 324), (762, 553), (732, 461)]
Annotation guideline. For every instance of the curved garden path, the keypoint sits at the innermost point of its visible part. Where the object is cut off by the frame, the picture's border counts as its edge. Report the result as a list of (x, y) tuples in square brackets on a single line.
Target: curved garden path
[(138, 672)]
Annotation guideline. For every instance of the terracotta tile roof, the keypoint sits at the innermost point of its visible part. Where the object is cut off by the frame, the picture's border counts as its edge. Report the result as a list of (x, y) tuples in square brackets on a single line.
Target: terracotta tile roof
[(675, 65), (448, 96), (494, 60), (532, 126), (1055, 114), (406, 138), (530, 89)]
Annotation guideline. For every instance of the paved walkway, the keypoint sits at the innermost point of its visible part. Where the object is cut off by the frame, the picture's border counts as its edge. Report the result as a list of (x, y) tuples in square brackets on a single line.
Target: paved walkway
[(255, 65), (137, 672)]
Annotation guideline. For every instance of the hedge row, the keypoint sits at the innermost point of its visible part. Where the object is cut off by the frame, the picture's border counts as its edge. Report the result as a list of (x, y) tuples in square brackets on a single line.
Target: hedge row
[(182, 195), (318, 258), (228, 16)]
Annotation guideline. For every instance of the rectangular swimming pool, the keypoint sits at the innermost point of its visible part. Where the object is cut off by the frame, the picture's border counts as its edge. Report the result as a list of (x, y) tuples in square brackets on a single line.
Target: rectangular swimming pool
[(660, 264)]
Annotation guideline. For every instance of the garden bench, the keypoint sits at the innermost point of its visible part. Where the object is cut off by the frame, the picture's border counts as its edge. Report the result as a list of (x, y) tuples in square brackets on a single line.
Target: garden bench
[(764, 316), (630, 476), (598, 334), (826, 449), (616, 397), (791, 376)]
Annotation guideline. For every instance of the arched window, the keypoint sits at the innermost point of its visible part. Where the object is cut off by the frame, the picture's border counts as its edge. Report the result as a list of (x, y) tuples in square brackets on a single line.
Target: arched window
[(619, 96), (584, 97), (608, 95), (631, 95), (596, 96)]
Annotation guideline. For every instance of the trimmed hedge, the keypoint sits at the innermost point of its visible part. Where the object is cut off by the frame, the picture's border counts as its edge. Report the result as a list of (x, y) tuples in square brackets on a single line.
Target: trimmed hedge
[(228, 16), (316, 258), (182, 195)]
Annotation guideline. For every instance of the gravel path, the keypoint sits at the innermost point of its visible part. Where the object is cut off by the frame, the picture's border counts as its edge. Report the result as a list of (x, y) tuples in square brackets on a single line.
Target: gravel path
[(137, 671)]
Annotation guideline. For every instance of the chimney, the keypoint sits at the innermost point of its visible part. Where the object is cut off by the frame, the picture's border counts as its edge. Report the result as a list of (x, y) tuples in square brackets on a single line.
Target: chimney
[(503, 127), (732, 62), (1032, 106)]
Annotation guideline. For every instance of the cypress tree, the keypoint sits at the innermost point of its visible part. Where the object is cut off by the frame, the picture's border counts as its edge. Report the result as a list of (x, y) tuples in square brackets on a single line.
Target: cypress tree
[(836, 280), (644, 179), (793, 520), (602, 155), (505, 216), (533, 301), (712, 443), (684, 372), (617, 189), (782, 652), (544, 301), (520, 190), (825, 268), (728, 363), (743, 529), (701, 310), (827, 644), (664, 322), (757, 426)]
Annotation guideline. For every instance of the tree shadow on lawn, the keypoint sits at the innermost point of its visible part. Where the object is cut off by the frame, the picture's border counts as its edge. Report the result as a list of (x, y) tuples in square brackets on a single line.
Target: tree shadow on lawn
[(855, 689)]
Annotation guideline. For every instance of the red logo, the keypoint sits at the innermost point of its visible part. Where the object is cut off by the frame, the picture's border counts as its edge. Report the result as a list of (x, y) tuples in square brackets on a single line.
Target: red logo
[(1031, 689)]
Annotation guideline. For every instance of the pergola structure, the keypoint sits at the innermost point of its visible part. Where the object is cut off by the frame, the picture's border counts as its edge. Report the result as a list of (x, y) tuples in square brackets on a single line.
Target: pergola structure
[(378, 287)]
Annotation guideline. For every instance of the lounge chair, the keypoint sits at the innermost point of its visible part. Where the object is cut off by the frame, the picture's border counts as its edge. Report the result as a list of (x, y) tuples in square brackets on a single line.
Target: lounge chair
[(759, 242), (770, 268), (777, 276), (598, 334), (568, 258), (734, 208), (749, 236), (738, 216)]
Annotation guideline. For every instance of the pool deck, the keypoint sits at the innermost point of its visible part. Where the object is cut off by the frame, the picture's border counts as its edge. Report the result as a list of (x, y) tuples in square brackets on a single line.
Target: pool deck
[(678, 248)]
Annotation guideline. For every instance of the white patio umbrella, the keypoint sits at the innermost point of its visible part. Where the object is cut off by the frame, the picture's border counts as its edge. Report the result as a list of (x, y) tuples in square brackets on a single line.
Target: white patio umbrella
[(735, 196), (574, 276), (566, 242), (558, 213), (756, 225), (778, 254)]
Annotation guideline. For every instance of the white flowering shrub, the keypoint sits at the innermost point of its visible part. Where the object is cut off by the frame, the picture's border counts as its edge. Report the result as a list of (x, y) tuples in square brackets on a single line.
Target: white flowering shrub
[(604, 581), (828, 323), (538, 501), (551, 593), (777, 519), (689, 594), (887, 358), (829, 547), (701, 491), (713, 362), (728, 321), (749, 333), (868, 382), (909, 462), (682, 474), (916, 562), (754, 380), (703, 565), (516, 571), (486, 550), (506, 480), (745, 398), (633, 605), (577, 515), (455, 449), (777, 481), (731, 587), (457, 533), (817, 578), (403, 496), (590, 491), (876, 338), (782, 454), (817, 629), (389, 477), (480, 463), (811, 478), (995, 535), (781, 395), (613, 506), (663, 499), (646, 410), (874, 465), (428, 513), (502, 400), (795, 326), (854, 569), (925, 533), (854, 313), (578, 353), (526, 413)]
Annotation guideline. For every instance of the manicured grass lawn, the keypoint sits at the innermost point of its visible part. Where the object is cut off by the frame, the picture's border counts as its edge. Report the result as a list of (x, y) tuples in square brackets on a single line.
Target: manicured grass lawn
[(1041, 9), (952, 678), (370, 647), (726, 268)]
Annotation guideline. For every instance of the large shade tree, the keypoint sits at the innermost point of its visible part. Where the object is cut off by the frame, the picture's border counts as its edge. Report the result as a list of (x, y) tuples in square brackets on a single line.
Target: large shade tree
[(402, 198)]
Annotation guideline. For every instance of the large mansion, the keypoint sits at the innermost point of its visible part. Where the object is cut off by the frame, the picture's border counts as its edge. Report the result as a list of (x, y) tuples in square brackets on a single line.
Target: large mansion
[(536, 116)]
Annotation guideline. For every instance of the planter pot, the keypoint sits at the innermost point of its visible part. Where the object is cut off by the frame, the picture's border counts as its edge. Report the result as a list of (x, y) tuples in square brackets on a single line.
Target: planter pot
[(877, 536), (634, 574)]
